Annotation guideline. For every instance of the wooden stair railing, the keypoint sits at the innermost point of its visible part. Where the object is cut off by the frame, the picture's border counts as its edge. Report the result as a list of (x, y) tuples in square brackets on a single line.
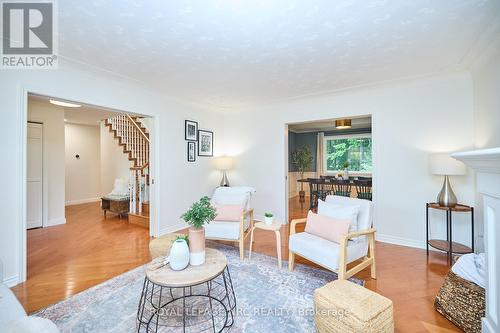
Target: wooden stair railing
[(133, 136)]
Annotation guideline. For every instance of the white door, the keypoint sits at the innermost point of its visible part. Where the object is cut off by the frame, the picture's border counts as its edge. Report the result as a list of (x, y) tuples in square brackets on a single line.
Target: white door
[(34, 176)]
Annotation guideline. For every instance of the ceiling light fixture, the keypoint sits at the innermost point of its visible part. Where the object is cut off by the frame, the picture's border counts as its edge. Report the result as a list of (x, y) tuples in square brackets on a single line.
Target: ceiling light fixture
[(65, 104), (343, 123)]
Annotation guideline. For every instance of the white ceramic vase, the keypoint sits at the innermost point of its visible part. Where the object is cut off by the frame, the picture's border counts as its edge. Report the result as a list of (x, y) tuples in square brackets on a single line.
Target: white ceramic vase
[(268, 220), (346, 174), (179, 255)]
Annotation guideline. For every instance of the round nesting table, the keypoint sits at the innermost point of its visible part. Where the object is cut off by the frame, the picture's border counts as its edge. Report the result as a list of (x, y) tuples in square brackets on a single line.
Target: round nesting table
[(196, 299)]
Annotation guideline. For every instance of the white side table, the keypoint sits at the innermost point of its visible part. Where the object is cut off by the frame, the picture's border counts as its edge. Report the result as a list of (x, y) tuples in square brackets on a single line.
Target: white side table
[(276, 226)]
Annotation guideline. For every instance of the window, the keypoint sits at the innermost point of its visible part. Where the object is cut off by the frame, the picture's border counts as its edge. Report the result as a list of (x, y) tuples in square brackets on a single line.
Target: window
[(356, 149)]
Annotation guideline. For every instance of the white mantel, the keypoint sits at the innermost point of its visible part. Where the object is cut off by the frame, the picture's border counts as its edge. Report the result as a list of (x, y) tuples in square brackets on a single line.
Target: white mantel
[(486, 164)]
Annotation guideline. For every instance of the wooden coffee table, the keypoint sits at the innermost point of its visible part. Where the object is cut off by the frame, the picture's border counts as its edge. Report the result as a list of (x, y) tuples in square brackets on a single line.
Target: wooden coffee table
[(276, 226), (196, 299)]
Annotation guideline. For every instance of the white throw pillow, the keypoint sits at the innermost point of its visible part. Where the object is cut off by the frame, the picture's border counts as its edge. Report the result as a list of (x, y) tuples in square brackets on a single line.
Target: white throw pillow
[(340, 212), (232, 199)]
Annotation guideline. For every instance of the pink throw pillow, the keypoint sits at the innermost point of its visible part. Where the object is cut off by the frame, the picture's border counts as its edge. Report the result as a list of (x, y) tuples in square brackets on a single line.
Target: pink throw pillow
[(230, 213), (327, 227)]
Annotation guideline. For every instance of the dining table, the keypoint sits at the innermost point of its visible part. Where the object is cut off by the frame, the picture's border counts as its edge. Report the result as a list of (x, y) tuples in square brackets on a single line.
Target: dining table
[(319, 188)]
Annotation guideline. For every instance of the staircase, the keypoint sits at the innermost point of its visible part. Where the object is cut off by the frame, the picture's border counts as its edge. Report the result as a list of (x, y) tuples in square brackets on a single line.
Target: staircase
[(133, 136)]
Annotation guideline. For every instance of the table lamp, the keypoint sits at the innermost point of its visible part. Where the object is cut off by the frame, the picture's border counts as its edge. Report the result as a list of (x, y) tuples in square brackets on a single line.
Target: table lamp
[(224, 163), (445, 165)]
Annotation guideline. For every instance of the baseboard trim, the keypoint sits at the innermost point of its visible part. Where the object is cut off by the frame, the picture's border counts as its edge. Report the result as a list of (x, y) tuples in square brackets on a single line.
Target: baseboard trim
[(53, 222), (81, 201), (12, 281), (173, 228), (400, 241)]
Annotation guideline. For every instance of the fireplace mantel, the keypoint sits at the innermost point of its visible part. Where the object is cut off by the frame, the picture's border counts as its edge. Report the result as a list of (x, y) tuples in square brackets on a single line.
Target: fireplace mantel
[(486, 164), (484, 160)]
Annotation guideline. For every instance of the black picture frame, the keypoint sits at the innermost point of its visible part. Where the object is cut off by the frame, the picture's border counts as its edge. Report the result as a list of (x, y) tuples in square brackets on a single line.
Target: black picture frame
[(204, 135), (191, 151), (188, 130)]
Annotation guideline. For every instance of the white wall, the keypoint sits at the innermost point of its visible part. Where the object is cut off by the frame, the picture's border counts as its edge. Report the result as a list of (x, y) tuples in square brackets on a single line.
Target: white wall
[(178, 182), (114, 163), (486, 81), (83, 175), (410, 120), (52, 118)]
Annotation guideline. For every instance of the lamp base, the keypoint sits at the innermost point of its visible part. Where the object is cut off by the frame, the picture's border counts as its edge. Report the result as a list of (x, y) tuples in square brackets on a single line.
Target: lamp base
[(224, 181), (446, 197)]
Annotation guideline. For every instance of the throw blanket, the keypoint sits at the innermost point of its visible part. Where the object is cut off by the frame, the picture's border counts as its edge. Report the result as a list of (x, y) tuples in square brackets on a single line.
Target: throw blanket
[(472, 267)]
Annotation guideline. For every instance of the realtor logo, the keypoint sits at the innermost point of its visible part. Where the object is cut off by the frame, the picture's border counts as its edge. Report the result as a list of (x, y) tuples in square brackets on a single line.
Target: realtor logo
[(28, 35)]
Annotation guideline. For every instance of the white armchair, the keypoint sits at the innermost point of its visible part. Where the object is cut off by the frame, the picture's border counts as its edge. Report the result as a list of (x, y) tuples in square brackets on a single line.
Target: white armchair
[(335, 257), (233, 231)]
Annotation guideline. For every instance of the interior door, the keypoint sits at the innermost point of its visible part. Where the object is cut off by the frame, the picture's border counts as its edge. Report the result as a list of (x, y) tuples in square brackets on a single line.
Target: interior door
[(34, 171)]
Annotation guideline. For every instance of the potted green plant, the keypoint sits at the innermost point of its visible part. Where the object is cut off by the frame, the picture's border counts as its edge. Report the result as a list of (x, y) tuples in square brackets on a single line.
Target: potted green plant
[(346, 171), (302, 159), (268, 218), (199, 213)]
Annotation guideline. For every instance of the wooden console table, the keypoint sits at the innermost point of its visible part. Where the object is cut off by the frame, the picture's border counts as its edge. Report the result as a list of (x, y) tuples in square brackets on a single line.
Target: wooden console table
[(448, 245)]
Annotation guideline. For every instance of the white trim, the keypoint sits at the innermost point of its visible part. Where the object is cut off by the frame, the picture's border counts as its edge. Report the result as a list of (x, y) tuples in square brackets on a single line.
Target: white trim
[(81, 201), (349, 136), (400, 241), (11, 281), (23, 130), (57, 221)]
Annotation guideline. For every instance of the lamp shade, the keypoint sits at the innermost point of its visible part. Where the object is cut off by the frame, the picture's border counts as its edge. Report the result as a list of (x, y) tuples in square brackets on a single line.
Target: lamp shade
[(224, 163), (444, 164)]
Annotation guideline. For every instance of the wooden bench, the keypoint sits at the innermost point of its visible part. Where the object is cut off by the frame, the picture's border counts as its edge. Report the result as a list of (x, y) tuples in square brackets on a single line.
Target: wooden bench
[(117, 204)]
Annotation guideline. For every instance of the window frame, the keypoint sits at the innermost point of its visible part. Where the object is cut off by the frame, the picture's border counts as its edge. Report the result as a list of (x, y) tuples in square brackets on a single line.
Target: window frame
[(345, 136)]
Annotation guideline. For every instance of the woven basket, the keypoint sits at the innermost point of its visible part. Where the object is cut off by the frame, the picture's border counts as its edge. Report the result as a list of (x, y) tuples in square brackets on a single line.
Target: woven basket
[(461, 302), (342, 306)]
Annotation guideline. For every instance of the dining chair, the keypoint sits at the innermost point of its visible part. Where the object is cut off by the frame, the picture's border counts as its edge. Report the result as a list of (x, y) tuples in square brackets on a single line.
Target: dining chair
[(342, 188), (364, 189)]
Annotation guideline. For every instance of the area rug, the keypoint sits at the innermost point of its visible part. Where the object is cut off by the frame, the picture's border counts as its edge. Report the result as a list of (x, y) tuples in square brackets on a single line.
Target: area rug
[(268, 299)]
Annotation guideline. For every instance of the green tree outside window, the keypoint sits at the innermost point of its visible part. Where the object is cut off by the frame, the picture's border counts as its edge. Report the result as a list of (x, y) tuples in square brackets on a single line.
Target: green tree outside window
[(357, 151)]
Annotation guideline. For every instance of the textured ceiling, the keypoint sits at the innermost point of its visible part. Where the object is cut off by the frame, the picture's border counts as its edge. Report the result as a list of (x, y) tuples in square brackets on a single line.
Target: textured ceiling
[(233, 53)]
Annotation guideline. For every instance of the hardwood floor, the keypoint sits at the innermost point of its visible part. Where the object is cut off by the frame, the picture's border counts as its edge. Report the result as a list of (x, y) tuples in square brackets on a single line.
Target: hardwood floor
[(405, 275), (64, 260), (88, 250)]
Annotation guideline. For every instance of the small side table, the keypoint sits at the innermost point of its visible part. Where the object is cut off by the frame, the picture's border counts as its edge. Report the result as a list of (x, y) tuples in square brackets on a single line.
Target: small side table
[(448, 245), (276, 226)]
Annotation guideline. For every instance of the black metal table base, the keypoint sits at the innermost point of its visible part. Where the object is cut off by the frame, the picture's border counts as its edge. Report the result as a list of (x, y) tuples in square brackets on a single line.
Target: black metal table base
[(206, 307)]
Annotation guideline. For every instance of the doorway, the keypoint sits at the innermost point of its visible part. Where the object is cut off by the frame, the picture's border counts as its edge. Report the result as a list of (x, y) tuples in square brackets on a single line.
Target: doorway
[(74, 157), (328, 157)]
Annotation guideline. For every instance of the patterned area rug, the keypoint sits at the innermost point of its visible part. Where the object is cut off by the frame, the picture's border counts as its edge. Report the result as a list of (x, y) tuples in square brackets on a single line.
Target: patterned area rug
[(268, 299)]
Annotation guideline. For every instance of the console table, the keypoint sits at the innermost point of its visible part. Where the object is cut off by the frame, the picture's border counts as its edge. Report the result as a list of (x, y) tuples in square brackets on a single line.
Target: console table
[(448, 245)]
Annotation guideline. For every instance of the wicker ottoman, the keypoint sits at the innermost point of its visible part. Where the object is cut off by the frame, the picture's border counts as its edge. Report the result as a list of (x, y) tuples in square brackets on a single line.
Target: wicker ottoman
[(461, 302), (343, 306)]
